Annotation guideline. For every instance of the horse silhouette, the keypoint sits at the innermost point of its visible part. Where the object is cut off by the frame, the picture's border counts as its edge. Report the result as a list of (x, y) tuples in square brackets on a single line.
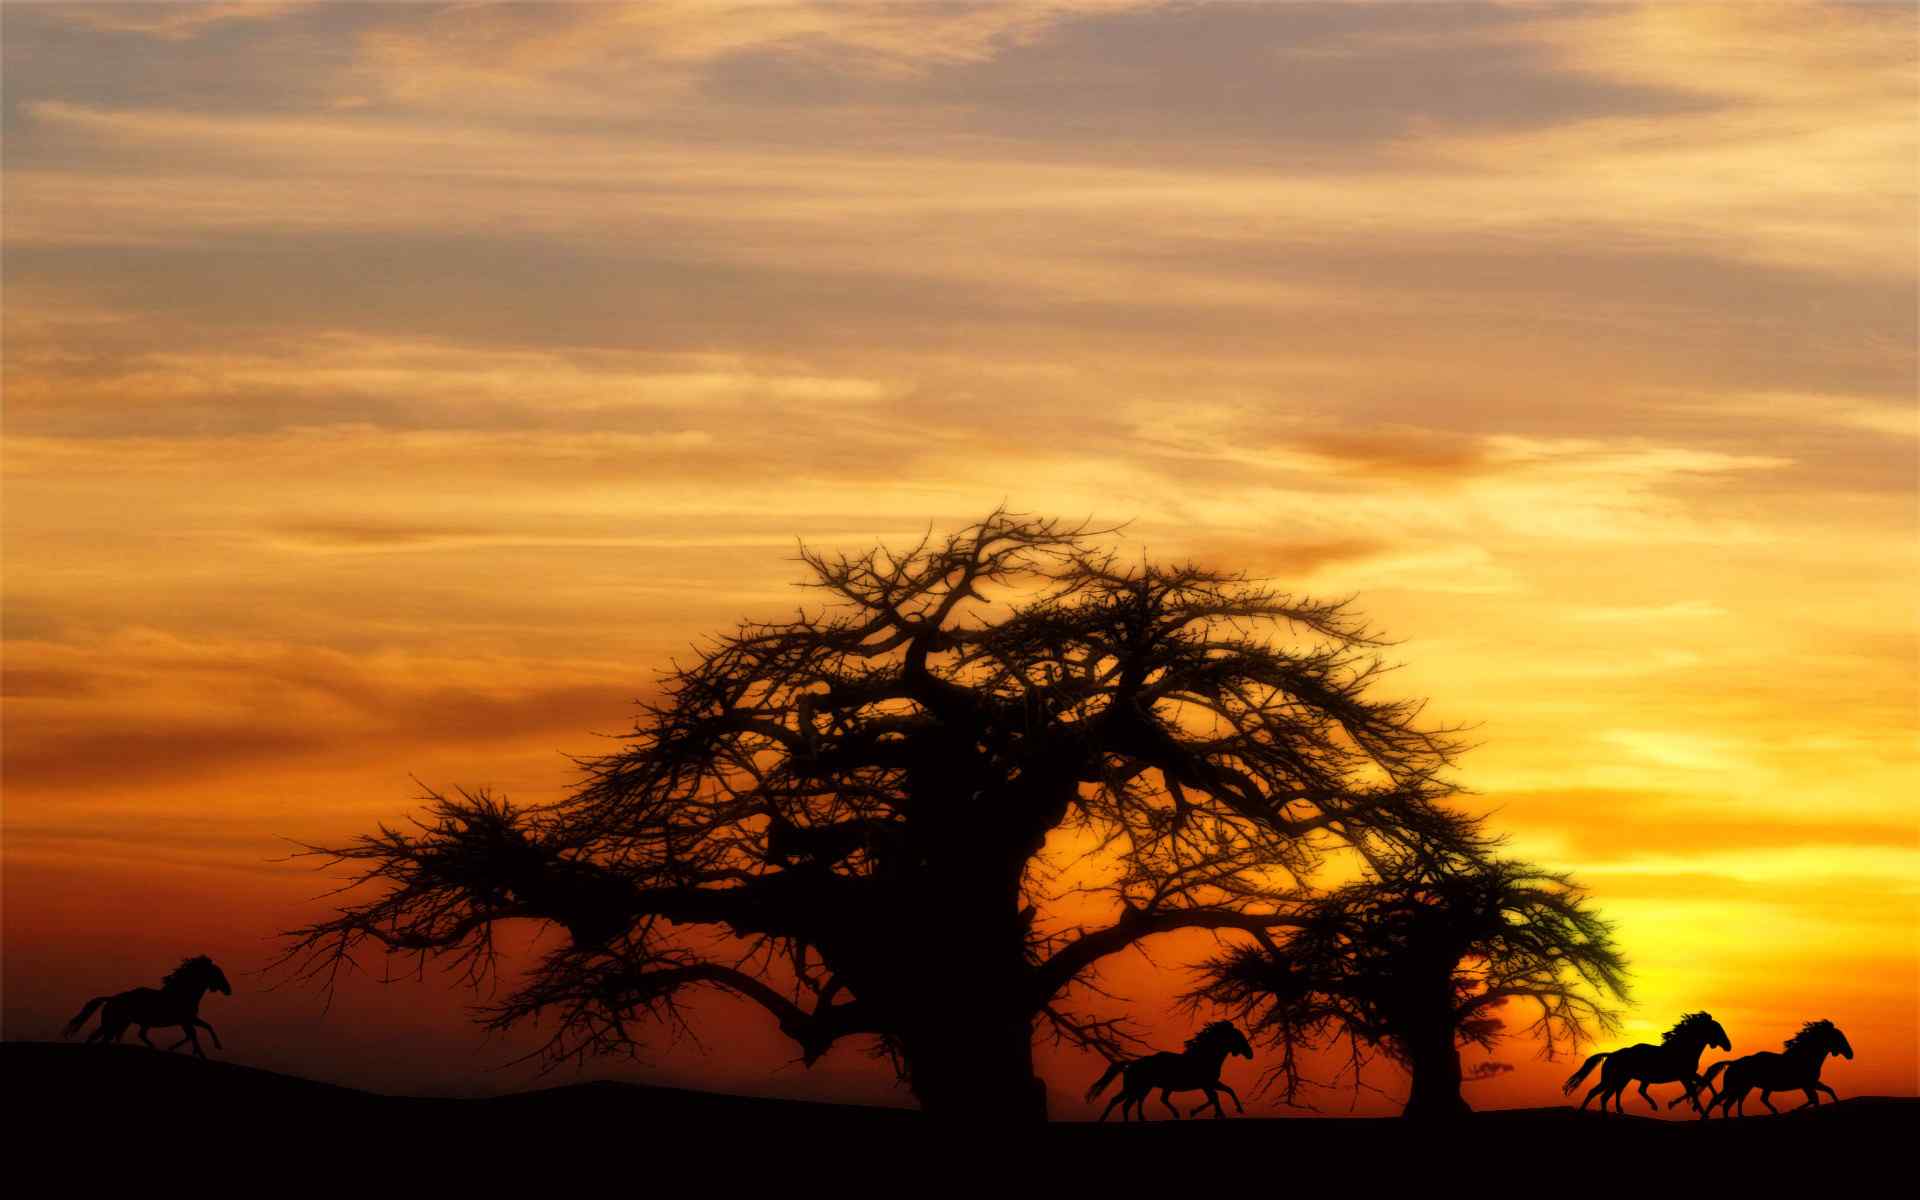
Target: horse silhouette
[(1195, 1068), (175, 1002), (1795, 1069), (1675, 1060)]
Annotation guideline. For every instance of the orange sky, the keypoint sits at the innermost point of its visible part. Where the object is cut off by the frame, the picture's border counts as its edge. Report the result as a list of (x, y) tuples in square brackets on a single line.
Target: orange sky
[(392, 390)]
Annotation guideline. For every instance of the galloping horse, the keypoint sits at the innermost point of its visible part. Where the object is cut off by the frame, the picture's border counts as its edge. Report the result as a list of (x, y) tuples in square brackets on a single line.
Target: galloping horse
[(175, 1002), (1796, 1069), (1675, 1060), (1196, 1067)]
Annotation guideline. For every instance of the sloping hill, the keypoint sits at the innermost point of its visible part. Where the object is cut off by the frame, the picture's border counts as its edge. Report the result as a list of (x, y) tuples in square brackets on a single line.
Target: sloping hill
[(108, 1082), (77, 1103)]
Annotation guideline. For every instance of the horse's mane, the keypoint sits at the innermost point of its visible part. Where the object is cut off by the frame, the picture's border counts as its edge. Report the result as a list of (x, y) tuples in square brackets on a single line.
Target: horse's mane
[(198, 962), (1209, 1033), (1685, 1025), (1808, 1032)]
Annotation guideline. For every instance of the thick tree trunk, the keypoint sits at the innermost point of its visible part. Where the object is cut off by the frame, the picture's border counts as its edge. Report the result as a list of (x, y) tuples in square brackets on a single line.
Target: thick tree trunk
[(967, 1024), (1433, 1056), (967, 1032), (968, 1014), (976, 1071)]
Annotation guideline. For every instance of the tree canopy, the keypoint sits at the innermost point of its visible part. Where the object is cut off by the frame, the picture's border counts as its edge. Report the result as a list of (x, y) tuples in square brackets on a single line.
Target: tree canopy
[(891, 816), (1423, 958)]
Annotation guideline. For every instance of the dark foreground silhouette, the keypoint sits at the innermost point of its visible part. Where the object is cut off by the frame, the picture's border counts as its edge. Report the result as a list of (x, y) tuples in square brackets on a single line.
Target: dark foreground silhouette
[(176, 1002), (1675, 1060), (1797, 1069), (1415, 963), (159, 1106), (1196, 1068), (871, 786)]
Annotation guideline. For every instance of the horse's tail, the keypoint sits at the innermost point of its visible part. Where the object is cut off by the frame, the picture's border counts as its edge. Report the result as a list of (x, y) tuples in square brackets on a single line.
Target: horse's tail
[(1715, 1069), (1112, 1073), (74, 1025), (1573, 1080)]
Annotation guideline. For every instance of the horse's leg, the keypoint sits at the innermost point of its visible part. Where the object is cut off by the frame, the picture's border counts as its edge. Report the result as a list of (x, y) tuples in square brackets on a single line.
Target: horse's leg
[(193, 1035), (1731, 1096), (1704, 1089), (1201, 1107), (1166, 1098), (113, 1026), (1644, 1095), (1766, 1098), (1829, 1091), (1813, 1098), (210, 1033), (1590, 1095), (1117, 1098), (146, 1039), (1236, 1097), (1610, 1083)]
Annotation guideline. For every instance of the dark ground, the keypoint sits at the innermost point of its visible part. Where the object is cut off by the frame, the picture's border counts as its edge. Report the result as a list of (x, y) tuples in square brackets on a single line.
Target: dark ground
[(128, 1113)]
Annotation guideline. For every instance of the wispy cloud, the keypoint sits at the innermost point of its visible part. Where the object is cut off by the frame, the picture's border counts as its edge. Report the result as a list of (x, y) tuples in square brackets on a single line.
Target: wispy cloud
[(1658, 614), (169, 21)]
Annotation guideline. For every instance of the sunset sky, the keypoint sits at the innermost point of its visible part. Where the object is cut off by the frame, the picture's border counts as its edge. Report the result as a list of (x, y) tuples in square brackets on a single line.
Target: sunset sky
[(391, 391)]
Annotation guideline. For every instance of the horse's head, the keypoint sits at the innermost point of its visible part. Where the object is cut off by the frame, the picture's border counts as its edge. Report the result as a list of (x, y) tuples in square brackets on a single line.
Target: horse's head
[(1700, 1025), (1224, 1036), (1240, 1045), (1823, 1036), (205, 973)]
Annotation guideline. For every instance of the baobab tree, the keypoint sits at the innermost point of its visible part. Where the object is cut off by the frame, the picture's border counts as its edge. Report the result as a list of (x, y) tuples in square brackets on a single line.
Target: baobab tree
[(858, 818), (1420, 959)]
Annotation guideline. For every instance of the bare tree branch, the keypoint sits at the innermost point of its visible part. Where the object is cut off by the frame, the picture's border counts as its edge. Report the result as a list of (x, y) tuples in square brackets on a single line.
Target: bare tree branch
[(865, 794)]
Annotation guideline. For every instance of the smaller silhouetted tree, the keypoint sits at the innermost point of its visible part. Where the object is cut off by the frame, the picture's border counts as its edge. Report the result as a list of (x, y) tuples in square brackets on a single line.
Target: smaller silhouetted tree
[(1414, 963)]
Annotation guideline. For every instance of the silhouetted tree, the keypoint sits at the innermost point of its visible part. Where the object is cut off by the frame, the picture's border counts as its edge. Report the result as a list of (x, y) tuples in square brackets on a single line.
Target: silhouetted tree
[(841, 817), (1416, 961)]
